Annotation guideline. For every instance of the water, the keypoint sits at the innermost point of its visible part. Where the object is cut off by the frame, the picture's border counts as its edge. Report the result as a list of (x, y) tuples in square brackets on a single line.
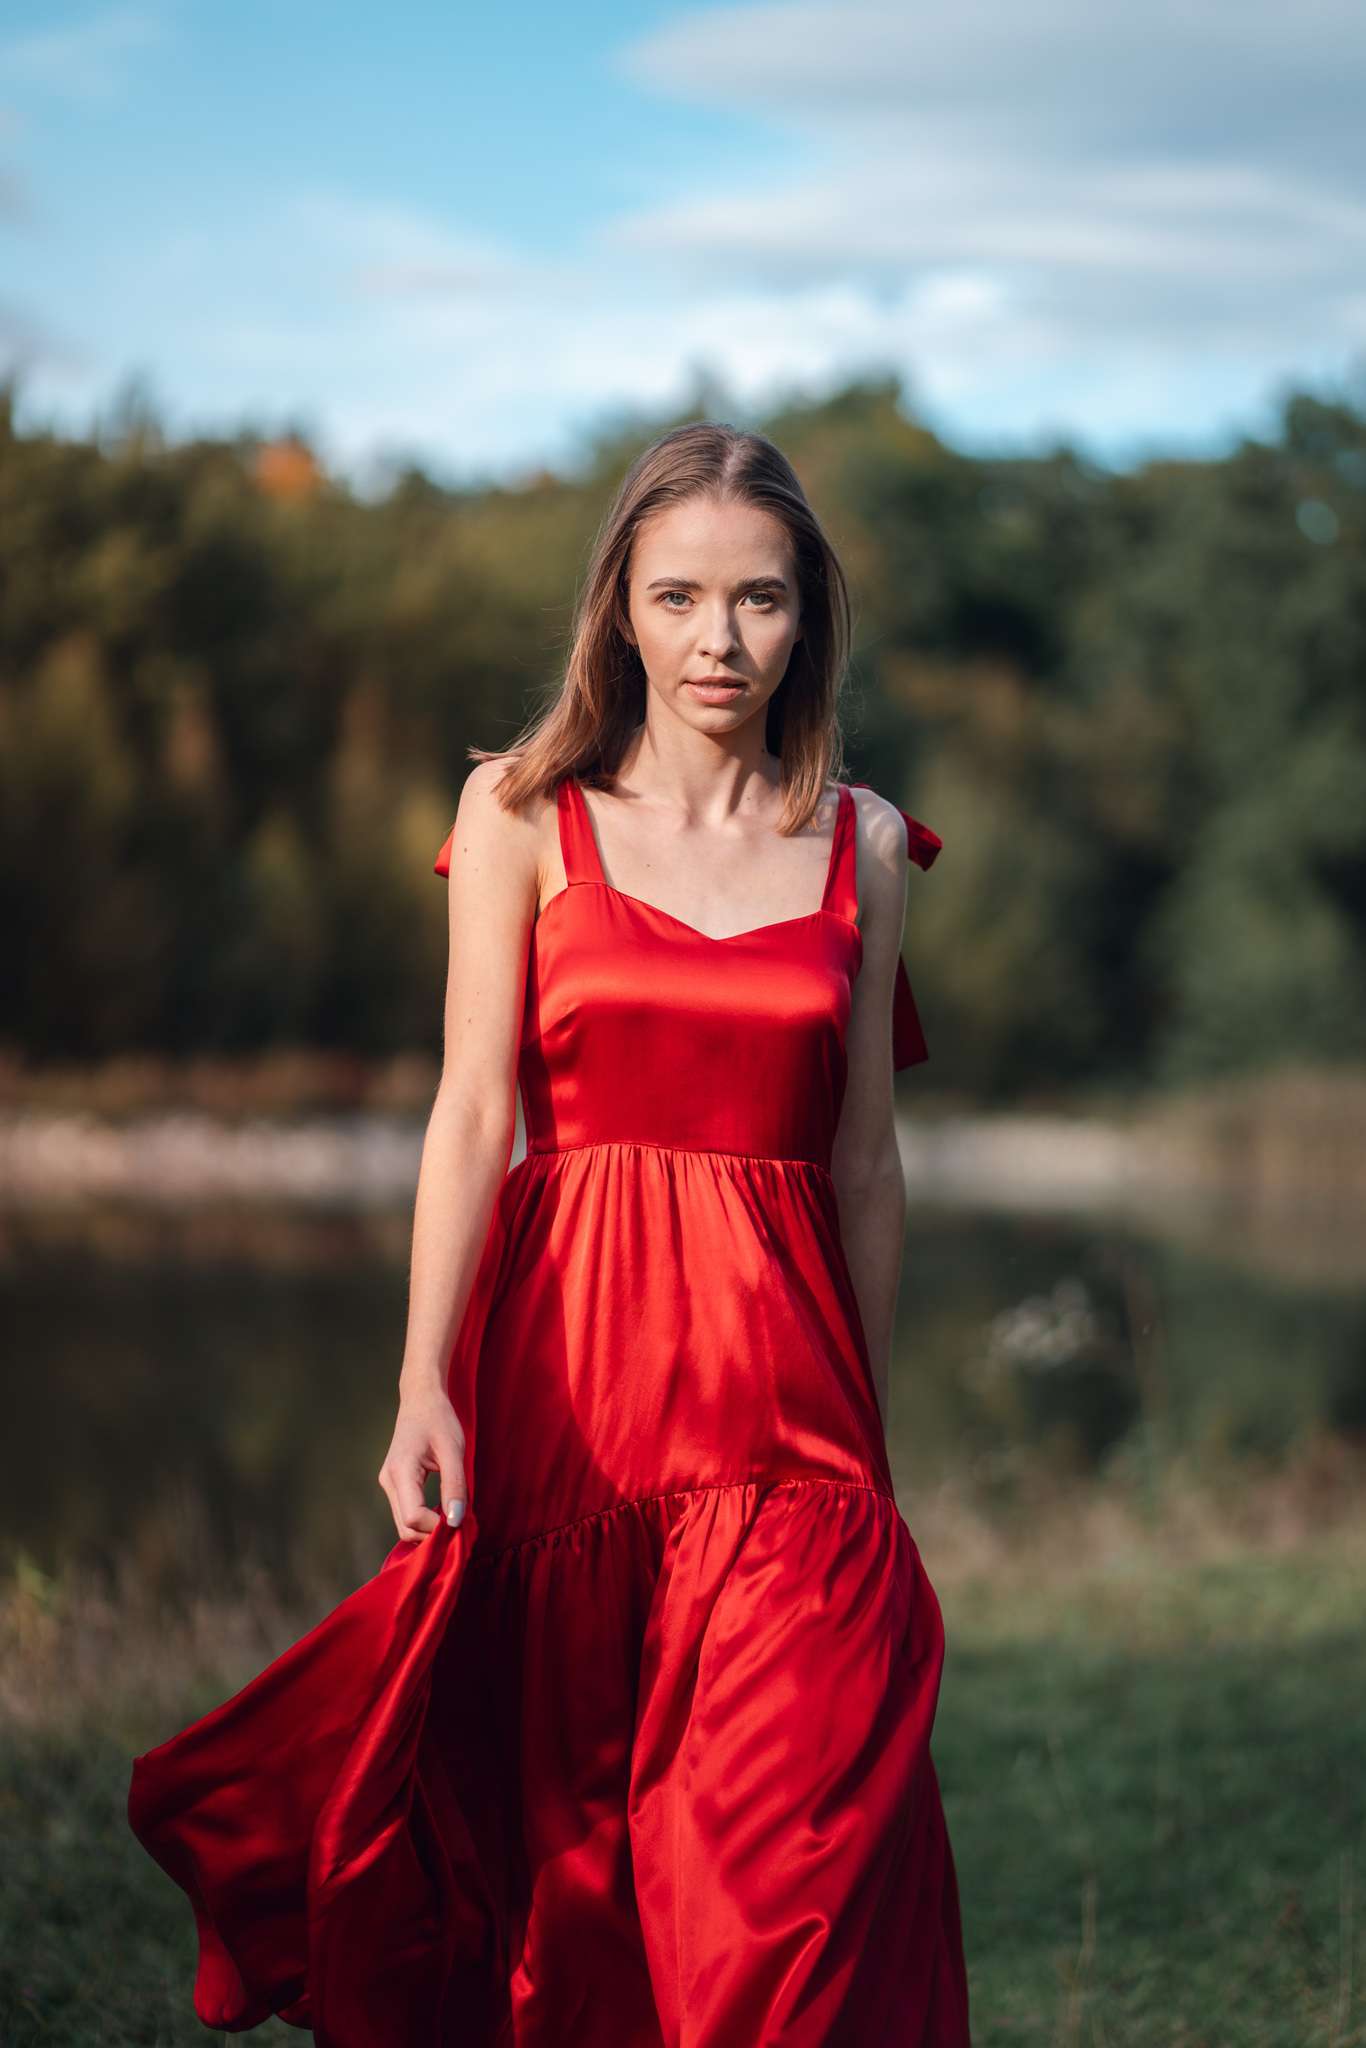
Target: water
[(187, 1393)]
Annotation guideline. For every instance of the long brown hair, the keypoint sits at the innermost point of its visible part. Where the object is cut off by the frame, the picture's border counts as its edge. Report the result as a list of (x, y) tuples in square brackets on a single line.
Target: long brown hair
[(586, 728)]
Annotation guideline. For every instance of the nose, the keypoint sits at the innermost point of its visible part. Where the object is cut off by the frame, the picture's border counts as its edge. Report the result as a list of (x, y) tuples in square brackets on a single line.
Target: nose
[(718, 637)]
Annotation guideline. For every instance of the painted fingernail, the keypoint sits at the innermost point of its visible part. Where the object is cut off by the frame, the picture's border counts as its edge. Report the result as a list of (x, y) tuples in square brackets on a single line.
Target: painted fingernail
[(455, 1512)]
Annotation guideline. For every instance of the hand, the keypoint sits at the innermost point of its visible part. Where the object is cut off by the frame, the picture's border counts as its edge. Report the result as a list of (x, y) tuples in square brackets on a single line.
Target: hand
[(427, 1438)]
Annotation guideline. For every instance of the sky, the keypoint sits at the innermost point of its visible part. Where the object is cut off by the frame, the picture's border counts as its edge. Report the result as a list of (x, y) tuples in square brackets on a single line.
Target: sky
[(472, 237)]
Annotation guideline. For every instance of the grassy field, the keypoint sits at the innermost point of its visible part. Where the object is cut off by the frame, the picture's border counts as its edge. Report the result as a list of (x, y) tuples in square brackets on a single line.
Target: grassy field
[(1155, 1781), (1152, 1749)]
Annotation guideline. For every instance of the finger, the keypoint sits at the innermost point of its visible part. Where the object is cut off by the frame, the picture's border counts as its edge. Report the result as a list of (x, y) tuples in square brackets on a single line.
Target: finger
[(454, 1492), (412, 1516)]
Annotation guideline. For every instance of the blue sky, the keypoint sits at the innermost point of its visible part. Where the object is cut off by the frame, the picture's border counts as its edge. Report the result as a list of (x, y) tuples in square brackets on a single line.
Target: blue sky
[(469, 235)]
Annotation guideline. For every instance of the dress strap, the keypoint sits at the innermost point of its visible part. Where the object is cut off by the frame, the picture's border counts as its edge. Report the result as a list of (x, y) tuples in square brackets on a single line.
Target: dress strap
[(908, 1038), (841, 876), (578, 842)]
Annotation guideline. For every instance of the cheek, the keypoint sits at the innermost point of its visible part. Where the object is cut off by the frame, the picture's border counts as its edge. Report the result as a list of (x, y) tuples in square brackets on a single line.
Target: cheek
[(770, 640), (657, 630)]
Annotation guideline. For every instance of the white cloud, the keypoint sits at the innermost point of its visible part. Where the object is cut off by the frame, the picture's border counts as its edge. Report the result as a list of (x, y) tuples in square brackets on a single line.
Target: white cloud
[(1073, 78)]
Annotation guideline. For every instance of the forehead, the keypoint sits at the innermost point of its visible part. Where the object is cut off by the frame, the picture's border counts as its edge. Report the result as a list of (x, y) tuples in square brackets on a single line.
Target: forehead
[(703, 536)]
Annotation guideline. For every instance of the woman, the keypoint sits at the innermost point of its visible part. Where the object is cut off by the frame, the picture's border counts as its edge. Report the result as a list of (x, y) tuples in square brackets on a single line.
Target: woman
[(630, 1745)]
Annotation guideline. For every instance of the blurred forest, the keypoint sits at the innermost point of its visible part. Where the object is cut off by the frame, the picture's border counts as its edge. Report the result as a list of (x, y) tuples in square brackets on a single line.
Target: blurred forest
[(236, 698)]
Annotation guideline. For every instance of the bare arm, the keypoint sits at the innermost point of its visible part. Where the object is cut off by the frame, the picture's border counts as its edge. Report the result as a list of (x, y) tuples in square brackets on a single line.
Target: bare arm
[(866, 1167), (493, 888)]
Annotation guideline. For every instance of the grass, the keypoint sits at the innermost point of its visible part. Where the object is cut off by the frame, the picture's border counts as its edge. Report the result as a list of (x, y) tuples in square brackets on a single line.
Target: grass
[(1156, 1783), (1151, 1742)]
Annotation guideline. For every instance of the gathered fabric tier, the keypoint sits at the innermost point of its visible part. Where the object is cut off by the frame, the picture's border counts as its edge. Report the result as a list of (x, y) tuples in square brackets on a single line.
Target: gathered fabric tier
[(639, 1756)]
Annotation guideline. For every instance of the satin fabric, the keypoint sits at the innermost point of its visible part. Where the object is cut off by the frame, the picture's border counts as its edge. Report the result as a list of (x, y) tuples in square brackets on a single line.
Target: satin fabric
[(639, 1756), (923, 846)]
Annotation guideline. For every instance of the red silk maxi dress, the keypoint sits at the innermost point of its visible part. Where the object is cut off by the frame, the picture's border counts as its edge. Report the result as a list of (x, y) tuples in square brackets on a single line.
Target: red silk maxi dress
[(638, 1757)]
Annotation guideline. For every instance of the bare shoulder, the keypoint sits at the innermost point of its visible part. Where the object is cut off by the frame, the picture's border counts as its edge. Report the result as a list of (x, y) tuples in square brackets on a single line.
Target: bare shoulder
[(482, 808), (881, 845), (881, 828), (491, 839)]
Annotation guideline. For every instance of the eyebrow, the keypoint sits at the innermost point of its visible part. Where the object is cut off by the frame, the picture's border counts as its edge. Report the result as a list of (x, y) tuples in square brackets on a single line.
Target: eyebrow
[(689, 583)]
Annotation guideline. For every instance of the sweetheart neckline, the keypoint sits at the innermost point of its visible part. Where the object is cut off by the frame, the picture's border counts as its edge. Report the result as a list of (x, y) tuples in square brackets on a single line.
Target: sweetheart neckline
[(753, 931)]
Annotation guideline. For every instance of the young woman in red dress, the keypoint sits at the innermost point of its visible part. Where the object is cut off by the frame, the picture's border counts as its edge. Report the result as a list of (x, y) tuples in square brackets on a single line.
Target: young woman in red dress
[(629, 1745)]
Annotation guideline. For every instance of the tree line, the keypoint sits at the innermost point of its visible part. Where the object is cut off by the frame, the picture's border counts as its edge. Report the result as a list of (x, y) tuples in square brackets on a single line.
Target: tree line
[(236, 698)]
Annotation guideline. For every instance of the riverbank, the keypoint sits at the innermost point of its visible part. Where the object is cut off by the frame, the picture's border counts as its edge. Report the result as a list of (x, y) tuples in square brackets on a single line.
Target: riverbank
[(309, 1124), (1269, 1170)]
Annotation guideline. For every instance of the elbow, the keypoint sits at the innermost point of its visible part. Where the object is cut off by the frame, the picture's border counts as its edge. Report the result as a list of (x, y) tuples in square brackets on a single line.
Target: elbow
[(476, 1115), (871, 1178)]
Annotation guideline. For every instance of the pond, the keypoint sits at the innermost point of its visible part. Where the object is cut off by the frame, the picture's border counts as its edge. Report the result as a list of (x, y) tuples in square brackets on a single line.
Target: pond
[(189, 1393)]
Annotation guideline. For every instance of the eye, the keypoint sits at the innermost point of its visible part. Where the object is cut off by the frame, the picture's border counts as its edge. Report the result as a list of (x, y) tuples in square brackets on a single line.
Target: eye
[(765, 597), (664, 600)]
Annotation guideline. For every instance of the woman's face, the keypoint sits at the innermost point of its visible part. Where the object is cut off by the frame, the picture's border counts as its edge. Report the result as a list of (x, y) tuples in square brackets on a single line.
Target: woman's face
[(713, 593)]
